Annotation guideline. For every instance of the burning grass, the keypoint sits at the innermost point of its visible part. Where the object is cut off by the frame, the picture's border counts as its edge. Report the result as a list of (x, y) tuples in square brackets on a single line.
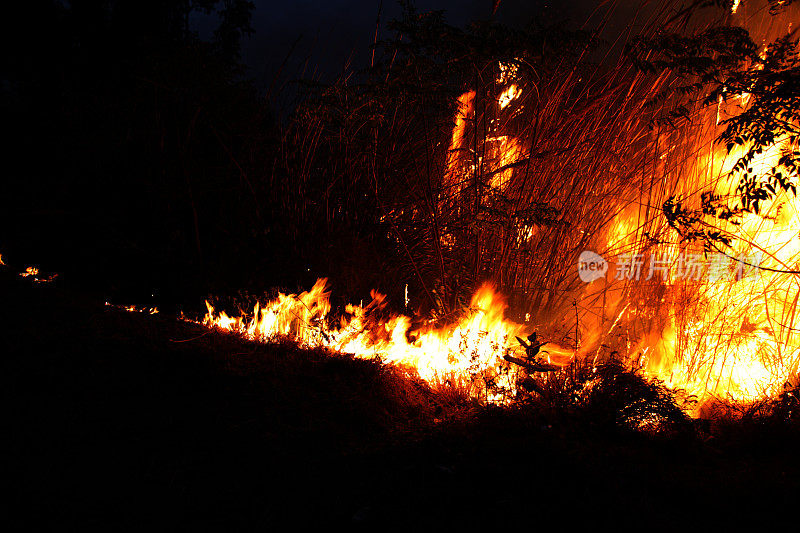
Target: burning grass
[(483, 154), (128, 418), (462, 156), (479, 355), (501, 156)]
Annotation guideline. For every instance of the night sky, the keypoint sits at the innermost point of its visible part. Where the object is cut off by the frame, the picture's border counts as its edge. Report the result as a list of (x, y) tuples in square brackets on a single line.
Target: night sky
[(330, 33)]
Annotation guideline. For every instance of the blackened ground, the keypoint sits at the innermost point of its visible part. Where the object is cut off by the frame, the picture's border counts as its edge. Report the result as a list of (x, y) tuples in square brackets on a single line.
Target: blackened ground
[(119, 419)]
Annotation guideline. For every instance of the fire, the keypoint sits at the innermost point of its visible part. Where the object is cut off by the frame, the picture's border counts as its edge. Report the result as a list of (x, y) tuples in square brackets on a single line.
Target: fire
[(30, 272), (503, 151), (34, 275), (730, 331), (134, 308), (472, 351), (740, 338), (732, 336), (469, 352), (465, 110), (508, 95)]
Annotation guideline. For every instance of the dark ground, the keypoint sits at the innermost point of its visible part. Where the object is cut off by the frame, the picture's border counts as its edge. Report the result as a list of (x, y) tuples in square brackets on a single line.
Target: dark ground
[(121, 419)]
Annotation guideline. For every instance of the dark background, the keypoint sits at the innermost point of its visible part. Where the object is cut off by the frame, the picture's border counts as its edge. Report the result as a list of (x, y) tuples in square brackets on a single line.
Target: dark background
[(145, 149), (325, 37)]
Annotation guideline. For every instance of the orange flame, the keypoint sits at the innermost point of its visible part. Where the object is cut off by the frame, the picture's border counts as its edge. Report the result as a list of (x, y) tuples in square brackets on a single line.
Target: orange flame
[(469, 352)]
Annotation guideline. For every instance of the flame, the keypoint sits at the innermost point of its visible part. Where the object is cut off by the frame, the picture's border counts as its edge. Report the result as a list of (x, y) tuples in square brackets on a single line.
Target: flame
[(510, 94), (469, 352), (134, 308), (33, 273), (30, 272), (622, 234), (503, 152), (508, 71), (735, 336), (465, 110), (728, 337), (731, 335)]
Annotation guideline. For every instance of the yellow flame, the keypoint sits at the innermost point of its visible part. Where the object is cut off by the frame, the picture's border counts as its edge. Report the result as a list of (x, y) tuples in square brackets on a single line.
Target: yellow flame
[(469, 352), (30, 272), (510, 94), (734, 335)]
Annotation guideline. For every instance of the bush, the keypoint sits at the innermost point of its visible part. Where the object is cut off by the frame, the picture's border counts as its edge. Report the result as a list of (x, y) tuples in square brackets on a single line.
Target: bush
[(608, 396)]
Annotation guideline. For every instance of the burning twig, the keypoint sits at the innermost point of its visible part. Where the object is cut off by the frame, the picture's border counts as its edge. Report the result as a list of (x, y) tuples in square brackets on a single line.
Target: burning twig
[(532, 350)]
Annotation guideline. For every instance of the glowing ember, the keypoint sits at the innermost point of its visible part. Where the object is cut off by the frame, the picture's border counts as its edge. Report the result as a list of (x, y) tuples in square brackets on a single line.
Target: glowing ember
[(134, 309)]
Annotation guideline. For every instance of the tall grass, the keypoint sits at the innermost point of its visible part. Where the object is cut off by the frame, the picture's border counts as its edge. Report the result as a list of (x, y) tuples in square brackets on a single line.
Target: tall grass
[(584, 158)]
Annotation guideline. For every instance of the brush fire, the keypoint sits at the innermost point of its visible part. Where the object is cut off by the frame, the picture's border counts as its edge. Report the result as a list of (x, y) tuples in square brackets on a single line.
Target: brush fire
[(545, 263), (672, 250), (715, 317)]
